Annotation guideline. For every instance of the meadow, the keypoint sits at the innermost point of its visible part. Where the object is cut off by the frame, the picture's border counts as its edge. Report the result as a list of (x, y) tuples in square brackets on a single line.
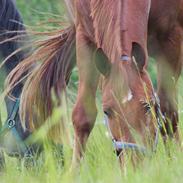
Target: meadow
[(100, 164)]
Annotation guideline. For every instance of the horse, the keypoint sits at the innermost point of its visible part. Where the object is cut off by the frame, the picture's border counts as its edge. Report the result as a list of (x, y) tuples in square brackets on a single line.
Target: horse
[(110, 40), (165, 42), (13, 39), (11, 25)]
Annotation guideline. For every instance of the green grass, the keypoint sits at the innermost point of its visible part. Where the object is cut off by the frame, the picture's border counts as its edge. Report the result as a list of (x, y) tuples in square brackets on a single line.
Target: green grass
[(35, 11), (100, 165)]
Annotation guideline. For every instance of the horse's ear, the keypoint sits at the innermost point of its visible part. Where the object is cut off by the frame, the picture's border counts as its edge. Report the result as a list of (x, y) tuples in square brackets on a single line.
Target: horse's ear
[(102, 62), (138, 56)]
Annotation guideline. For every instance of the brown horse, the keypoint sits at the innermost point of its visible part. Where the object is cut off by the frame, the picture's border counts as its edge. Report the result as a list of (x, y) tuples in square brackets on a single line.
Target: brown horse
[(112, 38), (165, 42)]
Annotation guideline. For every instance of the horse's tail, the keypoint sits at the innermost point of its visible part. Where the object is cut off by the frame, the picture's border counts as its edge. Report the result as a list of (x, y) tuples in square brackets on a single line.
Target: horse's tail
[(48, 71)]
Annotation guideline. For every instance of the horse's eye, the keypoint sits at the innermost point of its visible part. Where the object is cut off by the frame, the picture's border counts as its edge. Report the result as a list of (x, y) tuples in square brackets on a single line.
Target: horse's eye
[(108, 112), (147, 107)]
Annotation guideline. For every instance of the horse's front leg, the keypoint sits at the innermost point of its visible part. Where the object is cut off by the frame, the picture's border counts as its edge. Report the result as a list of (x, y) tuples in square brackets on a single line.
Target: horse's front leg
[(85, 111)]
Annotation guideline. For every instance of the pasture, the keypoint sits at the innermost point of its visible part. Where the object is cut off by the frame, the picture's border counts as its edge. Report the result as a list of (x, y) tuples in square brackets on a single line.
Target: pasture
[(100, 164)]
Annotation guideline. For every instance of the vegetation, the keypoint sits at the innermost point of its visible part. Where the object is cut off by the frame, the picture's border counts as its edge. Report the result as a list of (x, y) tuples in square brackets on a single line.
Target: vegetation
[(100, 164)]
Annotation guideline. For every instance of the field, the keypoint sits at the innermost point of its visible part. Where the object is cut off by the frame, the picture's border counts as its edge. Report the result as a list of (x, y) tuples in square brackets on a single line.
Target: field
[(100, 164)]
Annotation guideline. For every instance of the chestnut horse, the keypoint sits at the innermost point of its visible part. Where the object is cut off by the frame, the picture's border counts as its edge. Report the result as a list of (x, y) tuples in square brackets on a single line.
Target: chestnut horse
[(112, 40)]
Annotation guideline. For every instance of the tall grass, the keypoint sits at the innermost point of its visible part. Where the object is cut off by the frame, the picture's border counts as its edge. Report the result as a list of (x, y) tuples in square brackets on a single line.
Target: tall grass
[(100, 164)]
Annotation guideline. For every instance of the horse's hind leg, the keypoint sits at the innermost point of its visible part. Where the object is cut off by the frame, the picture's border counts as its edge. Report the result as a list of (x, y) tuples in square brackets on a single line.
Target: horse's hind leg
[(85, 111), (169, 69)]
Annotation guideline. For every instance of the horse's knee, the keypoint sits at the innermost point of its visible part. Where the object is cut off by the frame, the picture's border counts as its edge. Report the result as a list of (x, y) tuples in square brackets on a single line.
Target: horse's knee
[(83, 119)]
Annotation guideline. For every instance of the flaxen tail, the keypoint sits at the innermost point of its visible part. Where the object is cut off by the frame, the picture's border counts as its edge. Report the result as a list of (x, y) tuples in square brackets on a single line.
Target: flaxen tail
[(46, 72)]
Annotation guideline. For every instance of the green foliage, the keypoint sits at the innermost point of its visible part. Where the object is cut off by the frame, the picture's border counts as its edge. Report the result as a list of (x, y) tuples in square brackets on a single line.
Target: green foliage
[(35, 11), (100, 164)]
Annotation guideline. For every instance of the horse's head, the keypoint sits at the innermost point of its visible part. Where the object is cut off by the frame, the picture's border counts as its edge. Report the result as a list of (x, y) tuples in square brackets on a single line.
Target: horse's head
[(128, 97), (129, 101), (13, 135)]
